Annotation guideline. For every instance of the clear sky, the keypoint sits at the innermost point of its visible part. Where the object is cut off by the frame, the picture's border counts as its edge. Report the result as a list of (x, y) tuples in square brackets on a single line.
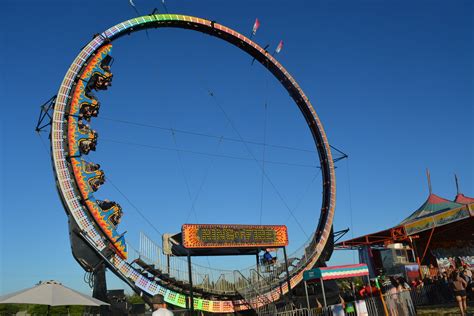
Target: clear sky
[(392, 82)]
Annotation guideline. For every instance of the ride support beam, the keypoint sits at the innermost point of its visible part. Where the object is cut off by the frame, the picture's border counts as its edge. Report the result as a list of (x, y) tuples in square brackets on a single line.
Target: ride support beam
[(191, 294), (45, 115), (100, 288), (428, 243), (287, 273), (258, 267)]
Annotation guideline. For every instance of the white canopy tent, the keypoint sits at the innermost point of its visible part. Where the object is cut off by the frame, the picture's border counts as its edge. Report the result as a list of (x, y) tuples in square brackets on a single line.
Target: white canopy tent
[(50, 293)]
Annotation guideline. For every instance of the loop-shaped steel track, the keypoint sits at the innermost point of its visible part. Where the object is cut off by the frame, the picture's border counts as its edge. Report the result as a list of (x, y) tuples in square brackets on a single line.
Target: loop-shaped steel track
[(66, 177)]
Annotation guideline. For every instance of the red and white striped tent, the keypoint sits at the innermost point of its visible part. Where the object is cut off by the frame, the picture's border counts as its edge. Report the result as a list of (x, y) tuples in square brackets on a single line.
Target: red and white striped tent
[(334, 273), (337, 272)]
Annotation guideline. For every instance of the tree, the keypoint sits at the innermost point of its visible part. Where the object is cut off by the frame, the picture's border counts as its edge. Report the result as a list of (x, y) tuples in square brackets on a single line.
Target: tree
[(10, 309), (135, 299)]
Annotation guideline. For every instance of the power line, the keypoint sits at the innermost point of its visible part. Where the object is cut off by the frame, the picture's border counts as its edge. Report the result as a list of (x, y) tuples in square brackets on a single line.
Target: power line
[(263, 162), (134, 206), (202, 184), (306, 190), (264, 146), (350, 205), (207, 153), (255, 159), (180, 163), (230, 139), (44, 144)]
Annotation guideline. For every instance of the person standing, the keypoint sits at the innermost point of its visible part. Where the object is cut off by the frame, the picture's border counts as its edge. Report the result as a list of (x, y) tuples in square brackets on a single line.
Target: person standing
[(459, 288), (161, 310)]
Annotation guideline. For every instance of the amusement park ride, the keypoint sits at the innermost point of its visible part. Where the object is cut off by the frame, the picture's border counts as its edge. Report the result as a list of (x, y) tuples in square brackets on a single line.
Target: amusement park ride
[(95, 238)]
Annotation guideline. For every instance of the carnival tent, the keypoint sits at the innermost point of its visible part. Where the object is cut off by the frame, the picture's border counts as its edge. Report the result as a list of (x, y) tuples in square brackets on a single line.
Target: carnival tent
[(437, 230), (462, 199), (433, 205)]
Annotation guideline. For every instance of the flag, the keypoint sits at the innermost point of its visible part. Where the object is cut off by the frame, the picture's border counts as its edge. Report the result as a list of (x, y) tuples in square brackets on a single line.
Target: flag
[(131, 3), (256, 25), (279, 47)]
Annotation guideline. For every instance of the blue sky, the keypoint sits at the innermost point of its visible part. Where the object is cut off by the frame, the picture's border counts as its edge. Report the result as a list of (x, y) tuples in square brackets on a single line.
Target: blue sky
[(391, 81)]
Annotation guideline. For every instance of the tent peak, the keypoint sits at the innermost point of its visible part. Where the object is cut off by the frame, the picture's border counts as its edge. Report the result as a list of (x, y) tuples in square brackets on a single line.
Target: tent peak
[(49, 282), (428, 177), (462, 199), (434, 204)]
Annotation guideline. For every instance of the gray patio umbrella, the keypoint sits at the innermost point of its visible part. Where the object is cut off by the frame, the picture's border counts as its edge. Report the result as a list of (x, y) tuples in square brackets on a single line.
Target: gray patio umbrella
[(50, 293)]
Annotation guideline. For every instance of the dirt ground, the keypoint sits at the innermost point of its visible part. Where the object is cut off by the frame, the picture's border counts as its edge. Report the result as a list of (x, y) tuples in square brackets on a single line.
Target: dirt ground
[(446, 309)]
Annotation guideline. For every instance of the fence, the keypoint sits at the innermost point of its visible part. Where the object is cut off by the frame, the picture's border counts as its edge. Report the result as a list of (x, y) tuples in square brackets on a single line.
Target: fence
[(219, 281), (399, 304)]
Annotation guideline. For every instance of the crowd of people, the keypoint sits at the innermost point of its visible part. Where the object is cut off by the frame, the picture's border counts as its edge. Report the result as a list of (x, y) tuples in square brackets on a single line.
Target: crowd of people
[(438, 287), (400, 296), (448, 285)]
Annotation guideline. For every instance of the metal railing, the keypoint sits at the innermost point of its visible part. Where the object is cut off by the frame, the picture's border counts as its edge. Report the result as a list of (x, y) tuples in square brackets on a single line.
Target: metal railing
[(212, 280), (208, 279), (258, 301), (395, 304)]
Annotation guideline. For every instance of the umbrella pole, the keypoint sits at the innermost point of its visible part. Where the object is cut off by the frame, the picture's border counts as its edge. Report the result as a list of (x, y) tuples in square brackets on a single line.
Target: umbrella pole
[(324, 294), (307, 297), (49, 307)]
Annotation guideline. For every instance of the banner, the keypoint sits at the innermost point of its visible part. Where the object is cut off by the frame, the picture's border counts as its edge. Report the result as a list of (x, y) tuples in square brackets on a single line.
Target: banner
[(234, 236)]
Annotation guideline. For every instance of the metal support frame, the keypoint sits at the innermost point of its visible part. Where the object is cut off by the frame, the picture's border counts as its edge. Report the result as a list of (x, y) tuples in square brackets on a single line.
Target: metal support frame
[(343, 155), (417, 258), (324, 293), (45, 114), (370, 285), (339, 234), (287, 274), (100, 288), (307, 296), (427, 244), (258, 267)]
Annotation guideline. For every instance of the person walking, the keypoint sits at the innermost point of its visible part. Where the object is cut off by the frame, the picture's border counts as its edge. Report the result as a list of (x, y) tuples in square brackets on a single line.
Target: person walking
[(459, 285), (392, 297)]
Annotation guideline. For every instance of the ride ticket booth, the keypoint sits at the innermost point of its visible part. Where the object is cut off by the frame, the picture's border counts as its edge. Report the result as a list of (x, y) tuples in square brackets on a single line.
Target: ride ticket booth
[(225, 240), (333, 273)]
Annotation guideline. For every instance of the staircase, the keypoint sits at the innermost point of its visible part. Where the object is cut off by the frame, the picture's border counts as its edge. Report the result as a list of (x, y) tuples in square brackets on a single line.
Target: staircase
[(250, 292)]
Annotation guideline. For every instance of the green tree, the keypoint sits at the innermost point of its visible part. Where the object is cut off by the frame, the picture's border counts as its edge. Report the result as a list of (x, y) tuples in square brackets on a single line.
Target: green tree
[(10, 309), (135, 299)]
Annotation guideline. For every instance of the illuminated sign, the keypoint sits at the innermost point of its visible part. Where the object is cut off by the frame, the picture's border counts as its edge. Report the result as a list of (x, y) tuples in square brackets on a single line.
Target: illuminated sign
[(233, 236)]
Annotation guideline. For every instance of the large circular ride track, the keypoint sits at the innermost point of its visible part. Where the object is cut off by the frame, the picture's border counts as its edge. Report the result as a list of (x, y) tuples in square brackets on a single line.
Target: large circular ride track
[(77, 180)]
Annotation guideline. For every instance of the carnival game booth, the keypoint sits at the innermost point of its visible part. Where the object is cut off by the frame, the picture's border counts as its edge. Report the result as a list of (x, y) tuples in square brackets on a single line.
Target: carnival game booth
[(334, 273), (437, 234)]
